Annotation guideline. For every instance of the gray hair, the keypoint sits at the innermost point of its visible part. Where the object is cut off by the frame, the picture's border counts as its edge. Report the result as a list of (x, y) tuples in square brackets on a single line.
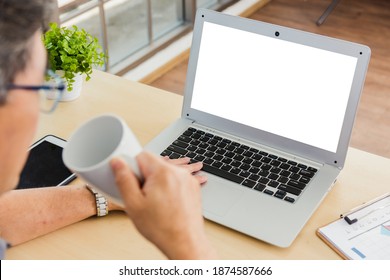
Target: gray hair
[(19, 20)]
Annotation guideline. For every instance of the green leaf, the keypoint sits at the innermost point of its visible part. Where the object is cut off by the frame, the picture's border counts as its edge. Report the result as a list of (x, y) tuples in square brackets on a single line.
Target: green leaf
[(73, 50)]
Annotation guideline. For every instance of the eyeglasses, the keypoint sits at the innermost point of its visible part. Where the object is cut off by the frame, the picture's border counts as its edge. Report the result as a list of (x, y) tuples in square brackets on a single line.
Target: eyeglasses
[(50, 92)]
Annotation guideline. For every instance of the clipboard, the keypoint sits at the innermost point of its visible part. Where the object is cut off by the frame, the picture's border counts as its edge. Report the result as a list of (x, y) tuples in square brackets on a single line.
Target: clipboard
[(363, 233)]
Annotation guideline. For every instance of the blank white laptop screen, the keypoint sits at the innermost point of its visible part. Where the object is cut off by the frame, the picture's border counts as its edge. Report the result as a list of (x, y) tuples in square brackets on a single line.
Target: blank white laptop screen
[(295, 91)]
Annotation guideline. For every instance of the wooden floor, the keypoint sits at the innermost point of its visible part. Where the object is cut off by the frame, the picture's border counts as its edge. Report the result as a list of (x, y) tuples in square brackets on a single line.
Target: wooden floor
[(362, 21)]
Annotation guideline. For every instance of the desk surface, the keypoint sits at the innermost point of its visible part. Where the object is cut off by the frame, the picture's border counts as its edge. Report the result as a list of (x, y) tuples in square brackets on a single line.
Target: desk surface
[(147, 111)]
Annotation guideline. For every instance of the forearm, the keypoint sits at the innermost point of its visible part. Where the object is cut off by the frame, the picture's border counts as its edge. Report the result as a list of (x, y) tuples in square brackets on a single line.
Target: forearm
[(26, 214)]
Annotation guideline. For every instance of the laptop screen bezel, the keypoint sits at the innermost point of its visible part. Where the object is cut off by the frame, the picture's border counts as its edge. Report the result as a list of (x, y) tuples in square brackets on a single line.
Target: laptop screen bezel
[(361, 52)]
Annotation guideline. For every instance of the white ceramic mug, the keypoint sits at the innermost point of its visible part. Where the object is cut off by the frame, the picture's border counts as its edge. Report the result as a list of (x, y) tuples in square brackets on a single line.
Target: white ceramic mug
[(92, 146)]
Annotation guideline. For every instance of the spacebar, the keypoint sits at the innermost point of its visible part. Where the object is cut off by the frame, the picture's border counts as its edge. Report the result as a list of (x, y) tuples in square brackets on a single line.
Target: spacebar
[(222, 173)]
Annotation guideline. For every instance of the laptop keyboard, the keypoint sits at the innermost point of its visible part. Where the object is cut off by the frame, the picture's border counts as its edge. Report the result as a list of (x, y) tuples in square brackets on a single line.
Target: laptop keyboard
[(247, 166)]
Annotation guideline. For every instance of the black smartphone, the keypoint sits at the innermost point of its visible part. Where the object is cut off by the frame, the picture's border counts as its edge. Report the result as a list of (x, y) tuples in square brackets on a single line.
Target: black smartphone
[(44, 166)]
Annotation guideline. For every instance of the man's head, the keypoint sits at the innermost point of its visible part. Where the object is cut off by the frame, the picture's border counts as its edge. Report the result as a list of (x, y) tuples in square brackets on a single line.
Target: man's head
[(19, 20), (23, 62)]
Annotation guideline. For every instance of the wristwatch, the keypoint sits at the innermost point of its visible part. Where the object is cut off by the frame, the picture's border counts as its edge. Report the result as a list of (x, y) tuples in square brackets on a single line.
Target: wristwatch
[(101, 202)]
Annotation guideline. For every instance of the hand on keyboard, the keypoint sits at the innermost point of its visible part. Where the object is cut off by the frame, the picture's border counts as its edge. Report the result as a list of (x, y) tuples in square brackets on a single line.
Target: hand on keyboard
[(193, 168)]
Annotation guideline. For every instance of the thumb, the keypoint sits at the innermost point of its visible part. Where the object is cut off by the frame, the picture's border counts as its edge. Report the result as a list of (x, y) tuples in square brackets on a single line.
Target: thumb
[(148, 163), (127, 183)]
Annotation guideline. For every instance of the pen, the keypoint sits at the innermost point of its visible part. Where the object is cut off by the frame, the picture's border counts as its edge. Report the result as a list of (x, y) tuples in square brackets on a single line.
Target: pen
[(354, 220)]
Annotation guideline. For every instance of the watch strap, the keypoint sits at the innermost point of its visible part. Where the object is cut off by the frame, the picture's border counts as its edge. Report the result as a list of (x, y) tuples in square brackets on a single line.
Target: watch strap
[(101, 202)]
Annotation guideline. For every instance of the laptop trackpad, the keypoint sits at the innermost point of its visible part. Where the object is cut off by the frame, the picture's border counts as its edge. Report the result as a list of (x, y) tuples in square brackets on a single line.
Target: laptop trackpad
[(218, 198)]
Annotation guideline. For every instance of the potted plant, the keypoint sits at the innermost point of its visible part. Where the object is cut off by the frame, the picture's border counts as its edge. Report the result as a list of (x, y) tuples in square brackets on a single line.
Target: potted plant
[(72, 52)]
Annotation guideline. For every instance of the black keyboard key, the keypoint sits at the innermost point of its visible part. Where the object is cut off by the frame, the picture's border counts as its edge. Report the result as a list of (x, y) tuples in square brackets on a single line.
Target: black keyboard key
[(209, 154), (227, 141), (180, 144), (294, 176), (272, 156), (212, 141), (312, 169), (296, 184), (273, 176), (257, 164), (217, 164), (256, 157), (263, 173), (191, 155), (238, 157), (245, 174), (191, 129), (195, 142), (174, 156), (247, 160), (235, 144), (227, 160), (254, 177), (208, 161), (285, 166), (282, 159), (221, 151), (289, 199), (300, 165), (245, 166), (177, 149), (282, 179), (199, 158), (279, 195), (221, 144), (248, 154), (185, 138), (249, 183), (245, 147), (235, 170), (275, 170), (200, 151), (239, 151), (304, 180), (294, 169), (260, 187), (230, 148), (230, 154), (192, 148), (226, 167), (292, 162), (264, 180), (236, 163), (218, 157), (217, 137), (269, 192), (196, 135), (275, 163), (203, 145), (266, 160), (222, 173), (166, 153), (254, 170), (266, 167), (253, 150), (306, 173), (289, 189), (212, 148), (273, 184)]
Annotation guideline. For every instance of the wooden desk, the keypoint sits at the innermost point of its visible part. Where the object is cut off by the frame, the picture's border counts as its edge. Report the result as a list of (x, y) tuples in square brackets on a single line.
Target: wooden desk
[(147, 111)]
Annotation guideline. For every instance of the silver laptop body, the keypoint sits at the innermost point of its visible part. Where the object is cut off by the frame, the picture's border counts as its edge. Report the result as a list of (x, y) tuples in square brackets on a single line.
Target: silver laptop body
[(284, 92)]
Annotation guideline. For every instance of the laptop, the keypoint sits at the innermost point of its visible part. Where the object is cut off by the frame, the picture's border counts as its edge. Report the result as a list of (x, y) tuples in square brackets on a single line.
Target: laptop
[(269, 111)]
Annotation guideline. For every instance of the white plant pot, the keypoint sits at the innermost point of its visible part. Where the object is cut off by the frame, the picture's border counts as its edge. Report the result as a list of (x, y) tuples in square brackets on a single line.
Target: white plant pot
[(75, 92)]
